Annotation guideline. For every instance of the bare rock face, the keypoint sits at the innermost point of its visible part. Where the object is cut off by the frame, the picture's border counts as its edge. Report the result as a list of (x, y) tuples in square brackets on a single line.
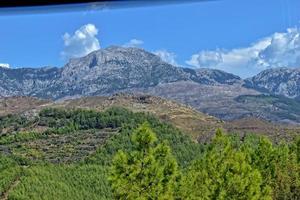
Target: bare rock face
[(27, 81), (112, 69), (278, 81)]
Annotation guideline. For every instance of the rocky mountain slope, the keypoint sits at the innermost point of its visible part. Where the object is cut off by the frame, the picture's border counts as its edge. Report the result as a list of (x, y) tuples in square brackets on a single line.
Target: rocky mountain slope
[(118, 69), (103, 72), (27, 81), (278, 81), (230, 102)]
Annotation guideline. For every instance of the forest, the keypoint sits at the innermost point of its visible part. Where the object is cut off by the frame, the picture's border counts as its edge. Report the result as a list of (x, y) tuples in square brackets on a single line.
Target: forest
[(120, 154)]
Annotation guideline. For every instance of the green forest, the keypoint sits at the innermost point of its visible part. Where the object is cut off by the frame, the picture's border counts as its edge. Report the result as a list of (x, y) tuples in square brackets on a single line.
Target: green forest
[(64, 154)]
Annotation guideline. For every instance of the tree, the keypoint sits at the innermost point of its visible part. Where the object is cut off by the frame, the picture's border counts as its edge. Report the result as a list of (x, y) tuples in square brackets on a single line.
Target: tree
[(147, 172), (261, 156), (223, 173), (277, 165)]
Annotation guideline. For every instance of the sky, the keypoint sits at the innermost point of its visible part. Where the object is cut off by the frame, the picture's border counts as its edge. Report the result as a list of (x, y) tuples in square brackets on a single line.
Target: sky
[(240, 37)]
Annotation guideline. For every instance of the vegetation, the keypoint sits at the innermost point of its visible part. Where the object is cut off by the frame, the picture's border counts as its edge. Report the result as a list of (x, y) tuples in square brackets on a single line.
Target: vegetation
[(63, 182), (224, 173), (9, 172), (118, 154), (147, 172)]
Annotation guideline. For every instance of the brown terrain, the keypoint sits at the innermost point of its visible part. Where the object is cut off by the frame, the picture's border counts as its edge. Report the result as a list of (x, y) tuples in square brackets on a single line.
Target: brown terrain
[(198, 125)]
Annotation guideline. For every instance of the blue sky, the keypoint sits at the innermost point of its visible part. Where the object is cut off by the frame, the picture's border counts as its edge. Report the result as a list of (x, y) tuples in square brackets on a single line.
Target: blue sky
[(204, 34)]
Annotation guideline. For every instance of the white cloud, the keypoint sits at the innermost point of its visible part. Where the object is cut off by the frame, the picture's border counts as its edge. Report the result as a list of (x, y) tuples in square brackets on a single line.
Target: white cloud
[(284, 49), (81, 43), (278, 50), (134, 43), (206, 59), (166, 56), (4, 65)]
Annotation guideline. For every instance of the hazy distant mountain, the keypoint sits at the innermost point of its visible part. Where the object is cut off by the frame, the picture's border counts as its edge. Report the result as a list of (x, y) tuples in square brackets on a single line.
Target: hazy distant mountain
[(118, 69)]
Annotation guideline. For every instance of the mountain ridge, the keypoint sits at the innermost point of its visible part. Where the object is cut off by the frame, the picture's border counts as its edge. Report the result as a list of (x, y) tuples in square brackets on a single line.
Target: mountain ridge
[(104, 72), (118, 69), (278, 81)]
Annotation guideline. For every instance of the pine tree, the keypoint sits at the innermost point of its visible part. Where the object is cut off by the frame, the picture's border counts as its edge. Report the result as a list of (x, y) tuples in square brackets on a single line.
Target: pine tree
[(223, 173), (277, 165), (147, 172)]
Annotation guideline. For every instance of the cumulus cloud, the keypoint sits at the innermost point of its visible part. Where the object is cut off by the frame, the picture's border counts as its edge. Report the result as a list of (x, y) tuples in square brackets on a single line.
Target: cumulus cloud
[(284, 49), (206, 59), (277, 50), (82, 42), (4, 65), (134, 43), (166, 56)]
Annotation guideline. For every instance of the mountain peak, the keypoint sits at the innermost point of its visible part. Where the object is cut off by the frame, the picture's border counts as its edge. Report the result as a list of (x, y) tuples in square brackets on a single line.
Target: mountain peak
[(115, 54), (279, 81)]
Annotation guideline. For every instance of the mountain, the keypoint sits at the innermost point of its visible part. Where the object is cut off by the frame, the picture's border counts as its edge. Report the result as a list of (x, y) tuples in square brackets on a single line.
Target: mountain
[(132, 70), (103, 72), (211, 76), (278, 81), (109, 70), (27, 81)]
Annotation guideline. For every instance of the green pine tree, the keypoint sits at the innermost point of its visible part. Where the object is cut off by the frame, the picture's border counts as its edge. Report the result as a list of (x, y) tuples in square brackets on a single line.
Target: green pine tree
[(223, 173), (147, 172), (277, 165)]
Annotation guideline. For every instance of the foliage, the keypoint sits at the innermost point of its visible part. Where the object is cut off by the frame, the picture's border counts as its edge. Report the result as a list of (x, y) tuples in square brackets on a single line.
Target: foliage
[(278, 166), (19, 137), (16, 121), (182, 147), (63, 182), (297, 148), (147, 172), (174, 166), (223, 173), (9, 172)]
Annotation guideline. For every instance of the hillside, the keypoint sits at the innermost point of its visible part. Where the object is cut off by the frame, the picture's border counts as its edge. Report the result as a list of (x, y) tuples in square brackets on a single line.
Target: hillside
[(75, 144), (198, 125), (17, 105), (185, 118), (66, 150)]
